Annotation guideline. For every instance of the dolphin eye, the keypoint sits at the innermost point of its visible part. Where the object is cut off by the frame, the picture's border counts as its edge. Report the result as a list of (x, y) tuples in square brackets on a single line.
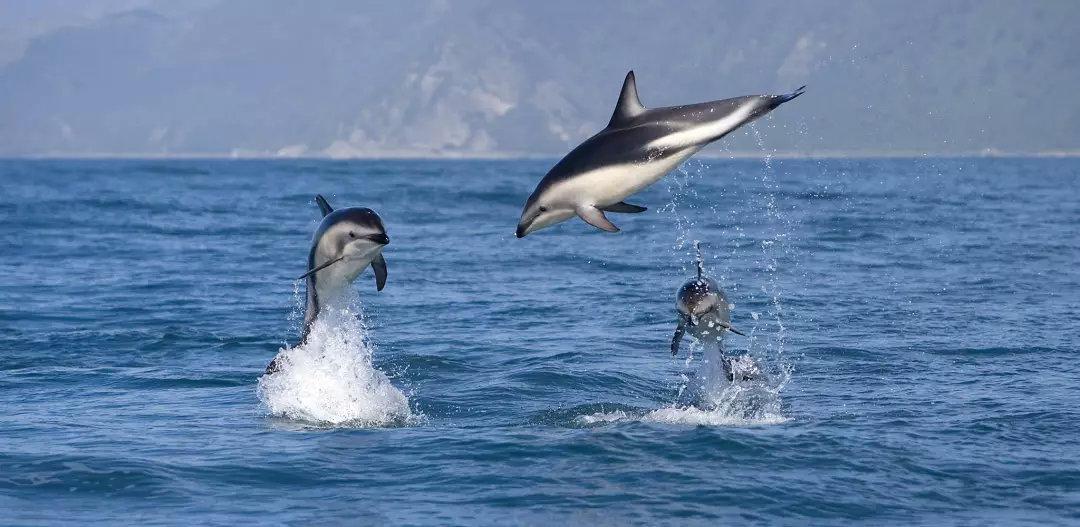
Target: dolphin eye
[(543, 209), (351, 235)]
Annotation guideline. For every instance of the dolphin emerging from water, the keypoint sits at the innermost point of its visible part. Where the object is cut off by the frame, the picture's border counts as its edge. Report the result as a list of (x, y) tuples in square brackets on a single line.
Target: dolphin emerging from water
[(704, 311), (346, 242), (638, 148)]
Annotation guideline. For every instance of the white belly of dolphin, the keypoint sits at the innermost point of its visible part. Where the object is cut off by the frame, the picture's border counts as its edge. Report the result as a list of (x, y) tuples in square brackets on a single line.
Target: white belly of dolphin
[(612, 184), (333, 281)]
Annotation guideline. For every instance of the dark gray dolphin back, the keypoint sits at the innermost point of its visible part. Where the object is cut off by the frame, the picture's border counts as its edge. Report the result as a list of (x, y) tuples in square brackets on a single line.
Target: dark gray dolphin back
[(311, 309)]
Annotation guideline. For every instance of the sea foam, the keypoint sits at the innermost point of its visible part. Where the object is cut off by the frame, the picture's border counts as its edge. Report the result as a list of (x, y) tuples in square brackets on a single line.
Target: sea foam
[(331, 380), (708, 398)]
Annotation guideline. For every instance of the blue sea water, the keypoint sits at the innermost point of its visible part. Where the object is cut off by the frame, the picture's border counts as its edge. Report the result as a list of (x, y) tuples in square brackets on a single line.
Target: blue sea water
[(916, 321)]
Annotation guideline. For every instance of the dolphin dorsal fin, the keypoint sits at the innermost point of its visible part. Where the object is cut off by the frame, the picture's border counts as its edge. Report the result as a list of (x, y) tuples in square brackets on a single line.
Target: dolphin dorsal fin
[(629, 105), (323, 205), (699, 261)]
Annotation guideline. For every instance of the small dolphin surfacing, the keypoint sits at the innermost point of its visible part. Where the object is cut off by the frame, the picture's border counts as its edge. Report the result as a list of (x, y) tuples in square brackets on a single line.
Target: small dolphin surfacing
[(705, 313)]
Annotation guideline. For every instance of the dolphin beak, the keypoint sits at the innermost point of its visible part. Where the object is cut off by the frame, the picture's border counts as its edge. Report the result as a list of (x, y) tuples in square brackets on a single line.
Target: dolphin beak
[(520, 231), (381, 239)]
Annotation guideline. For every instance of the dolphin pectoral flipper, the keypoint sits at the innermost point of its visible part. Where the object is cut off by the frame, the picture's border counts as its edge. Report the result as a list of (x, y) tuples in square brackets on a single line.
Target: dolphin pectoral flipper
[(595, 217), (379, 266), (732, 329), (320, 268), (323, 205), (624, 207), (679, 331)]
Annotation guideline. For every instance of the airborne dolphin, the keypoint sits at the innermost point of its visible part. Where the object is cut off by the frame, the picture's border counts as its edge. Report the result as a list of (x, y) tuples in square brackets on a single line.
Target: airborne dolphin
[(345, 243), (638, 148)]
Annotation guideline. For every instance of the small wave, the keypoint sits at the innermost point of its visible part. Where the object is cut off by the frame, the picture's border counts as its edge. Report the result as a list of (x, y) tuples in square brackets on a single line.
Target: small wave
[(173, 168), (687, 416), (691, 415), (708, 398), (330, 380), (608, 417)]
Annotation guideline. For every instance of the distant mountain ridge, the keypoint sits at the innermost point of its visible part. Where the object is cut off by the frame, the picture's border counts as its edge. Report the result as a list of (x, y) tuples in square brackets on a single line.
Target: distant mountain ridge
[(489, 78)]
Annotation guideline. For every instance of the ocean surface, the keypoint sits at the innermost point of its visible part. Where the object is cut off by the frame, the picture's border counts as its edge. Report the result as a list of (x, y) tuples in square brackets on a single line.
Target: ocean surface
[(916, 323)]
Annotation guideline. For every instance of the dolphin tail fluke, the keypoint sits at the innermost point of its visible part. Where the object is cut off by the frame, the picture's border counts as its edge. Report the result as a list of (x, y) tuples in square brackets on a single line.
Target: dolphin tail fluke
[(781, 99)]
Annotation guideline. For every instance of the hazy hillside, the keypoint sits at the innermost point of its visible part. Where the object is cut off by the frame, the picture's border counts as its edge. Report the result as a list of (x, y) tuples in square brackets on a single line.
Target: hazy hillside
[(488, 78)]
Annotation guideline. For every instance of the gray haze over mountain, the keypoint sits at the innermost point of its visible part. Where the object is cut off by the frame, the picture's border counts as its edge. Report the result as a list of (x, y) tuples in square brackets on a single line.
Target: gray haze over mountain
[(480, 78)]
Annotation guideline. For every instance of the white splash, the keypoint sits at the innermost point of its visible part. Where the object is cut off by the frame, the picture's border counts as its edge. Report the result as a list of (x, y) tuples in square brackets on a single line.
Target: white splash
[(706, 396), (331, 379), (753, 396), (709, 398), (607, 417), (684, 416), (694, 416)]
